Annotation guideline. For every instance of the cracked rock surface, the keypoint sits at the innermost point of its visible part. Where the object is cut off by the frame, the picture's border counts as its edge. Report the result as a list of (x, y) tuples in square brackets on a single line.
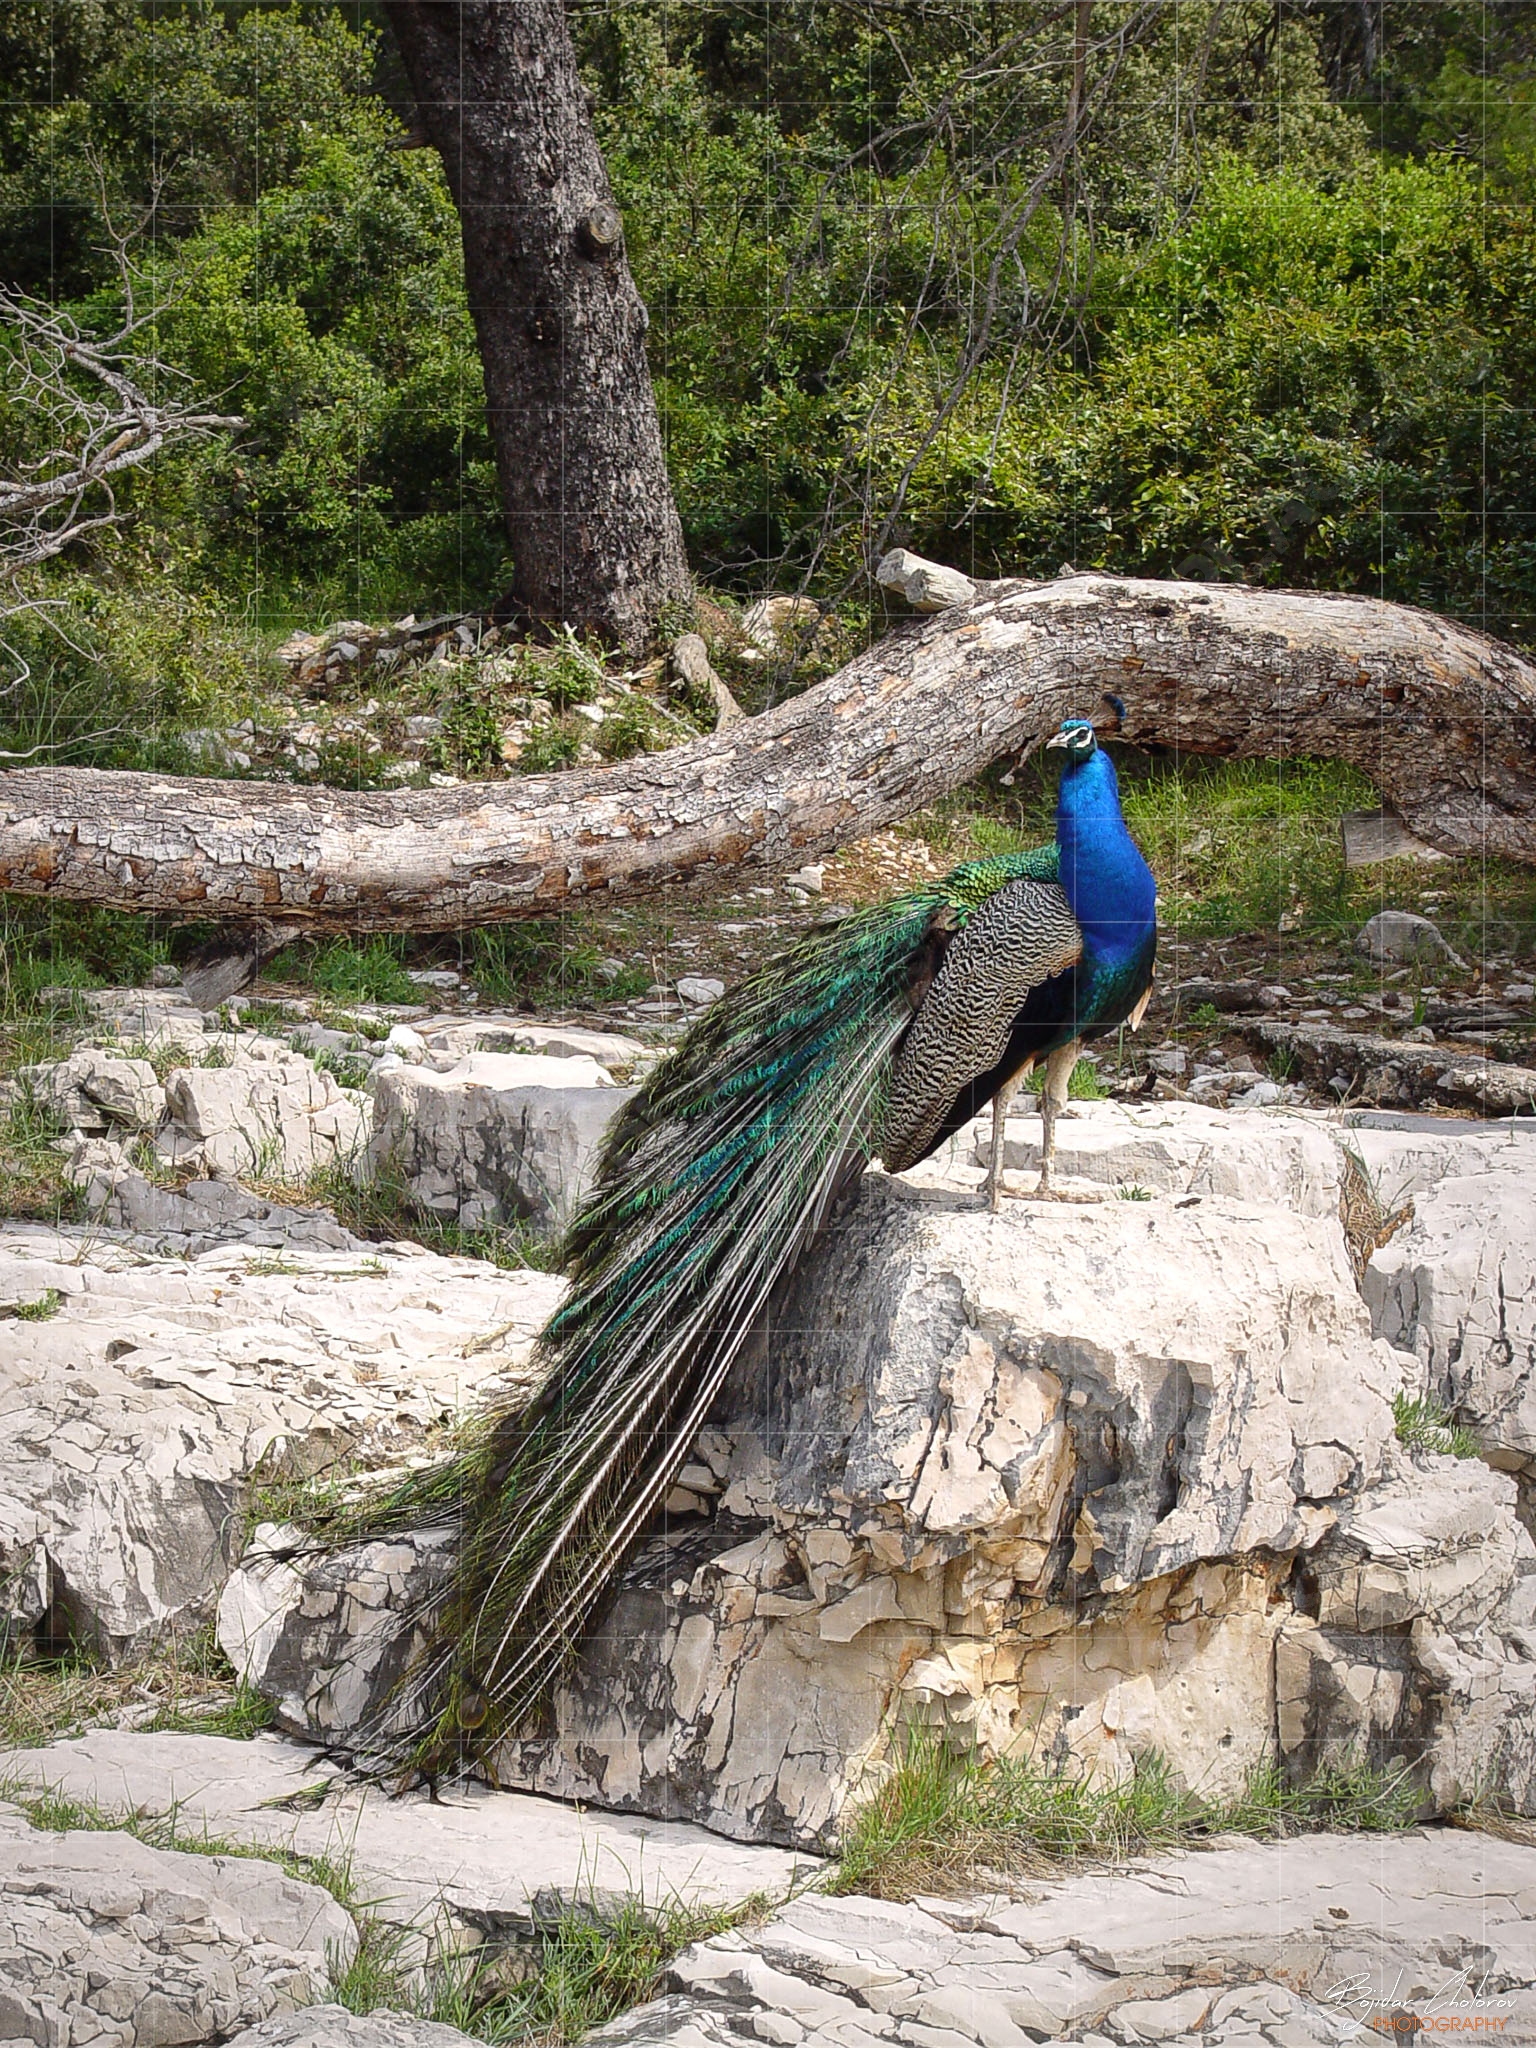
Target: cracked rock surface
[(1093, 1481), (105, 1939), (487, 1860), (136, 1416), (1282, 1945)]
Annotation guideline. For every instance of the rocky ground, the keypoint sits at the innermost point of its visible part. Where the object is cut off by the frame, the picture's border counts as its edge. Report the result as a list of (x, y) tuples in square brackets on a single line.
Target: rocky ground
[(1169, 1473)]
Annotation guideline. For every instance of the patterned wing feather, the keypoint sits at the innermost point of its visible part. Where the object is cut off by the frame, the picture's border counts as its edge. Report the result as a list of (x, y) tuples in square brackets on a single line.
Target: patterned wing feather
[(1020, 937)]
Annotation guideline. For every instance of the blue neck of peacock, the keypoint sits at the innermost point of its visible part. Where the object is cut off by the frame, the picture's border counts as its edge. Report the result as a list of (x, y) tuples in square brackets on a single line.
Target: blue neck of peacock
[(1107, 883)]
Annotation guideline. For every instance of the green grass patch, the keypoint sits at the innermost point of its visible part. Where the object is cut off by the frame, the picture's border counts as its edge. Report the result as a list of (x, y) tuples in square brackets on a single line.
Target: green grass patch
[(185, 1685), (945, 1821), (550, 747), (1084, 1085), (381, 1209), (349, 1069), (588, 1967), (32, 1181), (352, 971), (1424, 1424), (46, 1306), (546, 963)]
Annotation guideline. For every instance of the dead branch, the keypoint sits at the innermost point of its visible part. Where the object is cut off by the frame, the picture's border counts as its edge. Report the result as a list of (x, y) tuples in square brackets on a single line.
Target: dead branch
[(1441, 717)]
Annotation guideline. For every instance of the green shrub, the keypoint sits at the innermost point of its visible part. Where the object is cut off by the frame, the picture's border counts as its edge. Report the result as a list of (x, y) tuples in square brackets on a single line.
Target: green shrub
[(470, 741), (549, 746), (637, 727)]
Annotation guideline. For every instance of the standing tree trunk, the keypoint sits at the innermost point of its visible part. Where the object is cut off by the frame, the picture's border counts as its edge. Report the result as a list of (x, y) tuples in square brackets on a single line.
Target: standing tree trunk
[(595, 535)]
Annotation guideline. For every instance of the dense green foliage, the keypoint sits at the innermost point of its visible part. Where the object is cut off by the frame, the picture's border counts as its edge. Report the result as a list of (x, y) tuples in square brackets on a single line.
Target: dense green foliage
[(1274, 327)]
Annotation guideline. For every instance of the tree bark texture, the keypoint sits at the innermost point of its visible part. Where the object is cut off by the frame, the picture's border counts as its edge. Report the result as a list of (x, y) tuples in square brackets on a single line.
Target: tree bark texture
[(561, 328), (1442, 718)]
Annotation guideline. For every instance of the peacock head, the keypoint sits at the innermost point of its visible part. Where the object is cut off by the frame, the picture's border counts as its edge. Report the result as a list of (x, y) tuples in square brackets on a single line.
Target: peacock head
[(1079, 737), (1077, 740)]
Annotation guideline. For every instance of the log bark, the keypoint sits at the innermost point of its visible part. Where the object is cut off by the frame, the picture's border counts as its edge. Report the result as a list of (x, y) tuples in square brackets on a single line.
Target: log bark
[(1442, 718), (595, 536)]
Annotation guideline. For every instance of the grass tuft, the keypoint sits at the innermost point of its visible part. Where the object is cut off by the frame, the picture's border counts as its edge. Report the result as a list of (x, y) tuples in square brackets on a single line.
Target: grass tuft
[(46, 1306), (185, 1686), (1425, 1424), (587, 1969), (381, 1209), (943, 1821)]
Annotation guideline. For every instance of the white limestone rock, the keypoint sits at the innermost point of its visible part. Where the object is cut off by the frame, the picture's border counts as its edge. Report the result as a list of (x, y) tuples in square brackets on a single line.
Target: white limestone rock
[(1457, 1288), (282, 1612), (1033, 1483), (1281, 1945), (498, 1138), (961, 1436), (1421, 1640), (771, 619), (471, 1858), (155, 1018), (95, 1091), (926, 586), (105, 1939), (1393, 935), (133, 1418), (332, 2026), (1183, 1148), (268, 1113)]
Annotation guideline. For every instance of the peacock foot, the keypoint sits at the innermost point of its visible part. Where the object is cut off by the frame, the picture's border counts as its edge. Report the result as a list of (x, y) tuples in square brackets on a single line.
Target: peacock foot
[(1050, 1194)]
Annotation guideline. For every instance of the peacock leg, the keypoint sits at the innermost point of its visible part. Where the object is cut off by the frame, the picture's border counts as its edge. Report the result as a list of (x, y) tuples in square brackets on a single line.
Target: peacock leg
[(1053, 1098), (1002, 1102)]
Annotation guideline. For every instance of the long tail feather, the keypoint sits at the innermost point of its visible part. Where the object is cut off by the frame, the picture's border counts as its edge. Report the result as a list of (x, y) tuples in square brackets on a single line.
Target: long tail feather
[(712, 1181)]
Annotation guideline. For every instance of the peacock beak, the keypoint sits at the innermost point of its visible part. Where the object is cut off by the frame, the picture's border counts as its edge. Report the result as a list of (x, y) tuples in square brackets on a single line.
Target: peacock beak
[(1057, 739)]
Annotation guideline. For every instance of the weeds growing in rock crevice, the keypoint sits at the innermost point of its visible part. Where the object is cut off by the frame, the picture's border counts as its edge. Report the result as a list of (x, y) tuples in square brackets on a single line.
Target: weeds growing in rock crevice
[(184, 1686), (943, 1821), (583, 1969), (580, 1969), (382, 1208), (1425, 1424)]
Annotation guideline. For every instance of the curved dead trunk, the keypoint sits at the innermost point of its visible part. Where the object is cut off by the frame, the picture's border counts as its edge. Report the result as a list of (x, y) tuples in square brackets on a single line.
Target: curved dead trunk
[(1442, 718)]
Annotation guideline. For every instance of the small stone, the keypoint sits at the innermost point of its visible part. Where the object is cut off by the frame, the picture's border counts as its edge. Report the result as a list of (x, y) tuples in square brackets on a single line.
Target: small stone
[(768, 621), (808, 879), (1262, 1095), (777, 2027), (698, 991), (1401, 935), (1160, 2019)]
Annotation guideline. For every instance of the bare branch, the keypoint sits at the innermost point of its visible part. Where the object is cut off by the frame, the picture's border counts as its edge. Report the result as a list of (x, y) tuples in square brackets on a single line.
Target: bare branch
[(1441, 717), (92, 393)]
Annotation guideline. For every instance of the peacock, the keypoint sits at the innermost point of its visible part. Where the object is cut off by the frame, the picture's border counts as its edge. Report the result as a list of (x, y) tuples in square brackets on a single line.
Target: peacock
[(877, 1035)]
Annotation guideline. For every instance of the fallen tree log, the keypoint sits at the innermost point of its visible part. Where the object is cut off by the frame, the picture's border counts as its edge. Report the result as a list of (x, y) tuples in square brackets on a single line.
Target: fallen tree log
[(1442, 718)]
